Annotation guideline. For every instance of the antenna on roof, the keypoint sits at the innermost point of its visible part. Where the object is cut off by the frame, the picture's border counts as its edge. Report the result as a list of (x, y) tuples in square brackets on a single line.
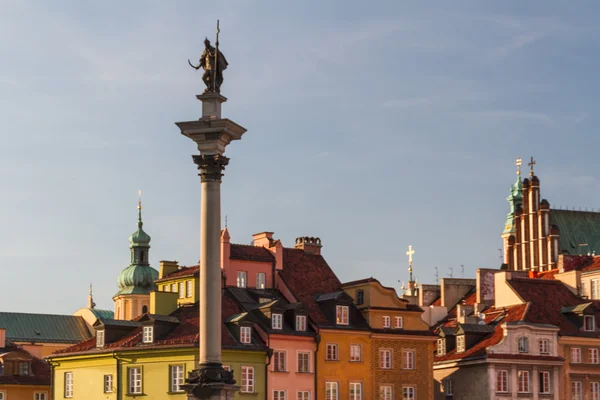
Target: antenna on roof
[(451, 274), (500, 256), (462, 271), (437, 275)]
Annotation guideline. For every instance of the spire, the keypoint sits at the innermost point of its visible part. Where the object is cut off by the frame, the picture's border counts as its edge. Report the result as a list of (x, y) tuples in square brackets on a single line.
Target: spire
[(531, 164), (412, 284), (515, 199), (140, 223), (91, 303)]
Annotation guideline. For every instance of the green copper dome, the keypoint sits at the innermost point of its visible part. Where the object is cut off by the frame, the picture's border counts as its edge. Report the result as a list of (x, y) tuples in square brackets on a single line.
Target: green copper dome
[(515, 199)]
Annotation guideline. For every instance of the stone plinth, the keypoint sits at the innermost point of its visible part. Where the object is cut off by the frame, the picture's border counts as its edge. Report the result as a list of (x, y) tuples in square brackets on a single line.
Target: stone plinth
[(211, 105), (211, 391)]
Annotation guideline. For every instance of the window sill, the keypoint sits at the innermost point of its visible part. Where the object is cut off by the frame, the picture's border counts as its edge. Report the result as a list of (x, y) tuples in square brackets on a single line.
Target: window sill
[(179, 392), (332, 360), (281, 372), (356, 361), (304, 372), (248, 393), (135, 394)]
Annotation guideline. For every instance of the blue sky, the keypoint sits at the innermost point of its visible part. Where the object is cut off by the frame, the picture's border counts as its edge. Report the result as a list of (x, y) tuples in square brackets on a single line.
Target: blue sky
[(371, 125)]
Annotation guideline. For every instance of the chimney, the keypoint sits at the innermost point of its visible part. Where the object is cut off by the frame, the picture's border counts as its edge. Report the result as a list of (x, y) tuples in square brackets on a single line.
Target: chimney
[(2, 337), (311, 245), (263, 239), (166, 268)]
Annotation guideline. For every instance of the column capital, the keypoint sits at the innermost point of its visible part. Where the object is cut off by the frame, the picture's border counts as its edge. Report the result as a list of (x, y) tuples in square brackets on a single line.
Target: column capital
[(211, 166)]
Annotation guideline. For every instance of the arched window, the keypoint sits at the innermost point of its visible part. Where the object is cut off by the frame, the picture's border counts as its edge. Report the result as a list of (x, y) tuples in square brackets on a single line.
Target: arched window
[(144, 309)]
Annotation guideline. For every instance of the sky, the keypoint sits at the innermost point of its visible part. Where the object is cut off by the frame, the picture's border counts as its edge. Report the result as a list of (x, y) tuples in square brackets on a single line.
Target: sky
[(372, 125)]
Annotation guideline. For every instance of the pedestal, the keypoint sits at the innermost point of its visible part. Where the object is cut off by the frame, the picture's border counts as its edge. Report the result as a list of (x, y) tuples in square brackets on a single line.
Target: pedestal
[(211, 391)]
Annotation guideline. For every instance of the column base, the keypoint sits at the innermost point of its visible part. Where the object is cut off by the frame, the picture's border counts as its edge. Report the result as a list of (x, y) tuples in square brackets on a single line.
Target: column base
[(210, 382)]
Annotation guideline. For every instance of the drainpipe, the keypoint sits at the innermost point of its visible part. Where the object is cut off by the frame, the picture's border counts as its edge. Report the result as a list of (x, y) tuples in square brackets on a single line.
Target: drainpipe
[(318, 341), (52, 385), (118, 377), (269, 358)]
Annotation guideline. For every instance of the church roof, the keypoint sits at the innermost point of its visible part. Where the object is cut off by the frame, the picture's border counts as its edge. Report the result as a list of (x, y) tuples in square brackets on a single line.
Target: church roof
[(44, 328), (577, 227)]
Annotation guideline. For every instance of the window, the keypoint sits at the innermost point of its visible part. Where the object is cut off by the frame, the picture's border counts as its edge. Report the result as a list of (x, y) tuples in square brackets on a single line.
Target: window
[(385, 359), (332, 352), (355, 391), (448, 387), (408, 393), (523, 381), (245, 334), (247, 379), (134, 381), (144, 309), (189, 288), (502, 381), (300, 322), (260, 280), (148, 334), (595, 293), (460, 343), (589, 323), (441, 347), (23, 368), (595, 391), (303, 362), (100, 338), (176, 378), (174, 287), (360, 297), (399, 322), (576, 390), (523, 344), (544, 382), (38, 396), (575, 355), (385, 393), (181, 290), (583, 290), (279, 361), (241, 279), (2, 395), (331, 391), (408, 359), (386, 321), (167, 288), (303, 395), (544, 346), (108, 383), (68, 384), (593, 352), (279, 394), (355, 351), (276, 321), (341, 313)]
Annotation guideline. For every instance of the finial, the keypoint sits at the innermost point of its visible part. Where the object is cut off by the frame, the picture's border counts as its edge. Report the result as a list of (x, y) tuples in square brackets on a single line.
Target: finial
[(518, 164), (410, 253), (91, 303), (225, 221), (90, 289), (531, 164), (139, 207)]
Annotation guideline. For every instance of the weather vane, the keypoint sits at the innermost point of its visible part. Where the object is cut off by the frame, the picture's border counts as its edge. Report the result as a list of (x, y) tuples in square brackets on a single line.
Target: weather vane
[(518, 164), (214, 63), (531, 164)]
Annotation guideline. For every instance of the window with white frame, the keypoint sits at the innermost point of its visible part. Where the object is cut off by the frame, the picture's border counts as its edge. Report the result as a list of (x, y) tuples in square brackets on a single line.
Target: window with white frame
[(134, 380), (523, 377), (589, 323), (247, 379), (408, 393), (576, 390), (261, 280), (148, 334), (189, 288), (167, 288), (441, 347), (399, 322), (174, 287), (176, 378), (385, 358), (544, 382), (276, 321), (595, 285), (2, 395), (341, 315), (408, 359), (301, 323), (304, 361), (279, 363), (181, 290), (332, 352), (331, 391), (355, 352), (303, 395), (593, 353), (68, 384), (242, 280), (448, 387), (385, 392), (502, 381), (108, 383), (544, 346), (40, 396), (387, 321), (100, 338), (460, 343), (523, 344), (575, 355), (24, 368), (355, 391), (245, 334), (594, 390), (279, 395)]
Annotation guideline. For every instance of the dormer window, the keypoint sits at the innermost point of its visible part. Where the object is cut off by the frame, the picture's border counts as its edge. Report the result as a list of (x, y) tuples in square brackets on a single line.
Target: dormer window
[(100, 338), (523, 344), (589, 323), (276, 321), (460, 344), (441, 347), (341, 315), (387, 321), (300, 322), (24, 368), (245, 334), (148, 334), (360, 297)]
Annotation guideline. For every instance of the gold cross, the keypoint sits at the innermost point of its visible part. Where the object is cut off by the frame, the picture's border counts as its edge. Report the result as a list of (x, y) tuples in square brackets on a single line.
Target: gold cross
[(531, 164), (518, 163), (410, 253)]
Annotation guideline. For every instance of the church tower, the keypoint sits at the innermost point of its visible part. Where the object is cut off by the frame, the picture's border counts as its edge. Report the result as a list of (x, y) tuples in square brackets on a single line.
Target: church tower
[(515, 200), (136, 281)]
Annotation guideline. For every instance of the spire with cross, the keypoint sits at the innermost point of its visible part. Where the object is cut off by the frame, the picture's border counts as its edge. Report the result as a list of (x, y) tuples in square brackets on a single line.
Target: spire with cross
[(531, 164), (518, 164)]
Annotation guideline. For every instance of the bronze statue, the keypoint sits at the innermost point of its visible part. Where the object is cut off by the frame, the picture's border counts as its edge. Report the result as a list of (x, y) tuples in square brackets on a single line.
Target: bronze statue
[(213, 62)]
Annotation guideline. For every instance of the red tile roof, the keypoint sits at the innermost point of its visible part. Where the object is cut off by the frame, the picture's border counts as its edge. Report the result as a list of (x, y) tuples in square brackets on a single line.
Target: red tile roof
[(548, 274), (181, 273), (40, 370), (250, 253)]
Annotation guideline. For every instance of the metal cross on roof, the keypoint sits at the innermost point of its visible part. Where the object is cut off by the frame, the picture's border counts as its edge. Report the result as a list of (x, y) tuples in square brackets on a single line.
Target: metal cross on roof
[(531, 164), (518, 164), (410, 253)]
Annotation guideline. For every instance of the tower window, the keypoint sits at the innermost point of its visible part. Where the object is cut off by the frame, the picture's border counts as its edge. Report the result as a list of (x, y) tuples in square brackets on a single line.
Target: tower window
[(144, 309), (142, 256)]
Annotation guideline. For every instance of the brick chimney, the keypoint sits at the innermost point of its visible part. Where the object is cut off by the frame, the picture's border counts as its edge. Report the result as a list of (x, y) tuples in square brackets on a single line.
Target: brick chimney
[(311, 245), (2, 337)]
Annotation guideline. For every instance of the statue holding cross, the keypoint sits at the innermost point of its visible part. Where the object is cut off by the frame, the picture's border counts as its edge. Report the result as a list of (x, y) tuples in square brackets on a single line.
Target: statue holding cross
[(214, 63)]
